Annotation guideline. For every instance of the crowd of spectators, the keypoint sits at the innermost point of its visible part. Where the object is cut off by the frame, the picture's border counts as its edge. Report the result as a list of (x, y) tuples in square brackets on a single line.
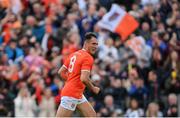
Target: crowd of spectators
[(36, 36)]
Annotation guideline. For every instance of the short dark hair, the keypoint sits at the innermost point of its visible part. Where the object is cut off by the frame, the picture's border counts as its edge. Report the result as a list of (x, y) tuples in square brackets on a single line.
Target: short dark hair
[(89, 35)]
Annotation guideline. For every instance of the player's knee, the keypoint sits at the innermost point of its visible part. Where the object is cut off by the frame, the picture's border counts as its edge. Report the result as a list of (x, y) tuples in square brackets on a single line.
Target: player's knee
[(89, 114), (94, 114)]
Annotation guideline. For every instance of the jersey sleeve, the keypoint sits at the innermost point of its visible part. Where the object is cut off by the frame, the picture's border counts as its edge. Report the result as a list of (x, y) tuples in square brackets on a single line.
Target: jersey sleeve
[(87, 64)]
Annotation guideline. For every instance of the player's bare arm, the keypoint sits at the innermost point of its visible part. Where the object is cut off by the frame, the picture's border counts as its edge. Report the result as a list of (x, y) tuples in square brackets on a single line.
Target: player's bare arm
[(86, 80), (63, 72)]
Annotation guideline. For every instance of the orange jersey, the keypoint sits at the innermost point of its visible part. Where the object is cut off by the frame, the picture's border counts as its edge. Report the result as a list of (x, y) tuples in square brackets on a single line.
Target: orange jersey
[(75, 63)]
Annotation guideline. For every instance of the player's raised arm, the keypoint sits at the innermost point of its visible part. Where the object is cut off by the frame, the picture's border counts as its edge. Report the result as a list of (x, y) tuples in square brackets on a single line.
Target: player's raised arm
[(63, 72), (86, 80)]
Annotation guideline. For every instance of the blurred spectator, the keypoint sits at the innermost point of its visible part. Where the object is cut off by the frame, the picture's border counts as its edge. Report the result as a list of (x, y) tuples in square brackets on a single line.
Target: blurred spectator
[(118, 91), (47, 105), (134, 110), (88, 21), (119, 94), (109, 106), (145, 30), (157, 61), (124, 53), (139, 91), (165, 9), (56, 60), (68, 48), (153, 110), (172, 110), (153, 86), (172, 67), (108, 53), (172, 62), (25, 104), (157, 42), (116, 70), (13, 52), (6, 103)]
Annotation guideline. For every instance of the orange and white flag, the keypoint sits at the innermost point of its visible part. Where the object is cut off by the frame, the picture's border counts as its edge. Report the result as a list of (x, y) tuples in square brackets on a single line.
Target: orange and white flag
[(119, 21)]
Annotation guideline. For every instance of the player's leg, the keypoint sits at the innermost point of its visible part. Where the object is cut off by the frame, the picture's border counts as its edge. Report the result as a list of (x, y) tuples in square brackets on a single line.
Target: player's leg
[(86, 108), (67, 107), (62, 112)]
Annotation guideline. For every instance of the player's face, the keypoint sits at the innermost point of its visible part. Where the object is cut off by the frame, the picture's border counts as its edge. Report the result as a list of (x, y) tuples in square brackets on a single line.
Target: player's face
[(92, 46)]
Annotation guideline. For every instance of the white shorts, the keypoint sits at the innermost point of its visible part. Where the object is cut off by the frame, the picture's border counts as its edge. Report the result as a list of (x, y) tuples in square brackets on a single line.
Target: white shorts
[(70, 103)]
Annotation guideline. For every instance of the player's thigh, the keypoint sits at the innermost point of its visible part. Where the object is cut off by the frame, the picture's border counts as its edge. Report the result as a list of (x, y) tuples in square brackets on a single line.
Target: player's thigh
[(67, 106), (62, 112), (86, 109)]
